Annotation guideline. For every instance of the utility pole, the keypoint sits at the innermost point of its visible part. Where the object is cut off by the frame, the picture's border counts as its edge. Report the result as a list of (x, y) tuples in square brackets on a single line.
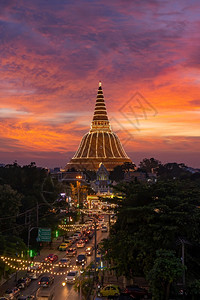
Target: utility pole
[(37, 214), (95, 249), (183, 261), (29, 235), (109, 221)]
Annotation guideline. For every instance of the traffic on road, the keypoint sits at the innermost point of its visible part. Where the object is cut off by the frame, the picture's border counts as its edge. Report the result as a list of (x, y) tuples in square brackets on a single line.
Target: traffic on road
[(53, 276)]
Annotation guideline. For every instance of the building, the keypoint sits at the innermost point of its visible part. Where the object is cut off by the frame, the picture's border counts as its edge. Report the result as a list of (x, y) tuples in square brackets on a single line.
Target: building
[(102, 183), (100, 144)]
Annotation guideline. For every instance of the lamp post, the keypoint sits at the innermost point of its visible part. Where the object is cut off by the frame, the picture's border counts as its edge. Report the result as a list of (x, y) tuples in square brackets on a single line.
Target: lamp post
[(78, 189), (29, 235)]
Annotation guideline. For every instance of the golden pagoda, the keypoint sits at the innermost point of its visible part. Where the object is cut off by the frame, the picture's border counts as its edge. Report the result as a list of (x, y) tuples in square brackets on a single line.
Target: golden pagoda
[(100, 144)]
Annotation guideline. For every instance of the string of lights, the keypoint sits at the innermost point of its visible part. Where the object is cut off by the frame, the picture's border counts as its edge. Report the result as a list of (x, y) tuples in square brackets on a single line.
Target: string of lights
[(43, 266)]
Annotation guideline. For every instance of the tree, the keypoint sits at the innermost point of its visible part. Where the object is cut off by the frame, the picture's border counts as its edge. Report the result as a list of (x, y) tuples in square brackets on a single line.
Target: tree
[(173, 171), (149, 164), (152, 217), (10, 202), (167, 268)]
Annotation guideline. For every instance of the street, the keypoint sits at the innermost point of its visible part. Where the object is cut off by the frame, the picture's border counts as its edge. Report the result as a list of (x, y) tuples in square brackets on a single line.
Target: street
[(67, 291)]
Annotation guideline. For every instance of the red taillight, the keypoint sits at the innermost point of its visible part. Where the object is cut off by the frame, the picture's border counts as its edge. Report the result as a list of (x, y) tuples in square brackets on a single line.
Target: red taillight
[(39, 282), (47, 282)]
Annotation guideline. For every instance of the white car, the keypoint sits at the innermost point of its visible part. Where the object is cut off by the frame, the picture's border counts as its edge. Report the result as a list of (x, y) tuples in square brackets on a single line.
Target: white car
[(71, 277), (76, 236), (32, 271)]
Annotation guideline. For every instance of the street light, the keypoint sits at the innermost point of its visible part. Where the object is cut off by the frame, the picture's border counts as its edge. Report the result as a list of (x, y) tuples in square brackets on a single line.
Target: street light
[(29, 235), (78, 188)]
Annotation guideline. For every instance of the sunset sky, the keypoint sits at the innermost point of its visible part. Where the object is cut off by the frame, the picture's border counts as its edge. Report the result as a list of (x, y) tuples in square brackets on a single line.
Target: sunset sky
[(53, 54)]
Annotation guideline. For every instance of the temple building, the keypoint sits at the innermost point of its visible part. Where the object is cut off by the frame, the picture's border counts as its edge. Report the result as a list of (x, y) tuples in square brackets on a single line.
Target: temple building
[(100, 144), (102, 183)]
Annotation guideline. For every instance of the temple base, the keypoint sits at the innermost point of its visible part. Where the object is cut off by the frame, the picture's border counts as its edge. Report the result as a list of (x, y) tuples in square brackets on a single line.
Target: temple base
[(92, 164)]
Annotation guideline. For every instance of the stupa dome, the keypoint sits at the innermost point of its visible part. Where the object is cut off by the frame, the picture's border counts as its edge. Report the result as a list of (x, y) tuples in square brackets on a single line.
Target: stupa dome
[(100, 144)]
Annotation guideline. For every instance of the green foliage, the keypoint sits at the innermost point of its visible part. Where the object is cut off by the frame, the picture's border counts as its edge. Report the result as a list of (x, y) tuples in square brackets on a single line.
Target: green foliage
[(118, 173), (194, 287), (151, 217), (149, 165), (21, 190), (167, 268), (86, 285)]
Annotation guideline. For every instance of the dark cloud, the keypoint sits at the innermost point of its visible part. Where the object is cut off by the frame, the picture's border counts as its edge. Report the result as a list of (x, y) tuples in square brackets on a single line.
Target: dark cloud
[(195, 102)]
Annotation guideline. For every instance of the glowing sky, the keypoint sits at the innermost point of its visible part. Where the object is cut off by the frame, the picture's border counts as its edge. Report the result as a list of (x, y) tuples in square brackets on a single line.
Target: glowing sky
[(54, 52)]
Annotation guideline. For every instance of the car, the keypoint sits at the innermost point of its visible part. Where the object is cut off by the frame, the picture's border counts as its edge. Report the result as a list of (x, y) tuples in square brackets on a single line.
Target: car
[(109, 290), (76, 236), (85, 239), (80, 244), (81, 259), (79, 232), (23, 282), (34, 267), (51, 258), (29, 297), (72, 239), (135, 290), (71, 277), (45, 294), (104, 228), (64, 262), (71, 252), (12, 293), (46, 281), (68, 242), (90, 234), (89, 251), (63, 247), (33, 274)]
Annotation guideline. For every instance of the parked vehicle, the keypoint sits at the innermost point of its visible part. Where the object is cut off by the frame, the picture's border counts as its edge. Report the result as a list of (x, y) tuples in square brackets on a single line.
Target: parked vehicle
[(71, 252), (135, 291), (29, 297), (46, 281), (109, 290)]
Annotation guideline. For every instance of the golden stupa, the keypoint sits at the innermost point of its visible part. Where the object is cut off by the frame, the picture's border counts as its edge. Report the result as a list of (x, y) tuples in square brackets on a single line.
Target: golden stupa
[(100, 144)]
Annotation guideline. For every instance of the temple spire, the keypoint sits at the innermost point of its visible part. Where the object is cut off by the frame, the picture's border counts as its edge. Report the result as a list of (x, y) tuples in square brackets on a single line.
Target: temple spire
[(100, 120)]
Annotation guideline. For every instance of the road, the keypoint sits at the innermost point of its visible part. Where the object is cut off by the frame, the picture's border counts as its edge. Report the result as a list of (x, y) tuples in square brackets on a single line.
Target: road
[(66, 292)]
